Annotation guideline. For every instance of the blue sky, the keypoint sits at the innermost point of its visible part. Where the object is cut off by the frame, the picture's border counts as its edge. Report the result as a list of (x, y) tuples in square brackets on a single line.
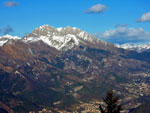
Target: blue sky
[(19, 17)]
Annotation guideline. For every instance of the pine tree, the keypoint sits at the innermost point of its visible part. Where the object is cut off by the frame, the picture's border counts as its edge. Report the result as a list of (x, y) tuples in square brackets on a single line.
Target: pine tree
[(111, 102)]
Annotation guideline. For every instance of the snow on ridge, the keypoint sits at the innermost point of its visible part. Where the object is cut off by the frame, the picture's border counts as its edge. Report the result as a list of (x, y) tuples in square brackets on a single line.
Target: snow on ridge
[(59, 29), (9, 37), (137, 47), (30, 39), (4, 39)]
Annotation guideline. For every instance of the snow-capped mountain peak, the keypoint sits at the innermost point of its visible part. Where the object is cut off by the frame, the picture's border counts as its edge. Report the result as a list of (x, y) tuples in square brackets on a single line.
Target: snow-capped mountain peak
[(4, 39), (59, 38)]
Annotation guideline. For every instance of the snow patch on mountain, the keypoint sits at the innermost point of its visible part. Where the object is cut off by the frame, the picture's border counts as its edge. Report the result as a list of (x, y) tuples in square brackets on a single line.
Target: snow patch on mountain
[(3, 42), (60, 42)]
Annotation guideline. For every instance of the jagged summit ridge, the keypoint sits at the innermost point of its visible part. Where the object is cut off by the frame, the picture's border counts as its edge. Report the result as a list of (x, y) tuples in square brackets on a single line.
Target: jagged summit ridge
[(60, 38)]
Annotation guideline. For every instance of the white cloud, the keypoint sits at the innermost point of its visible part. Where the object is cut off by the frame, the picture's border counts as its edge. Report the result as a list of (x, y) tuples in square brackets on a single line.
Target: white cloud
[(125, 35), (10, 4), (98, 8), (144, 18)]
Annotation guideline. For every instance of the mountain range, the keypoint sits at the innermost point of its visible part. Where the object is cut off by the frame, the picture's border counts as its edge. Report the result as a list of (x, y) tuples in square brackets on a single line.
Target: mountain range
[(63, 68), (59, 38), (135, 47)]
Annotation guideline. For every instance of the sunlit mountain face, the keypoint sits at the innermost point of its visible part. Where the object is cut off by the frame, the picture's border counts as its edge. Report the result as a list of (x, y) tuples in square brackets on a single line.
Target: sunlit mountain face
[(62, 56)]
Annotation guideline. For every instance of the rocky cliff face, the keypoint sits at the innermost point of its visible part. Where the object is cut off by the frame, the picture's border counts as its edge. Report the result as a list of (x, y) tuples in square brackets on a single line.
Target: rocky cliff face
[(58, 67)]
